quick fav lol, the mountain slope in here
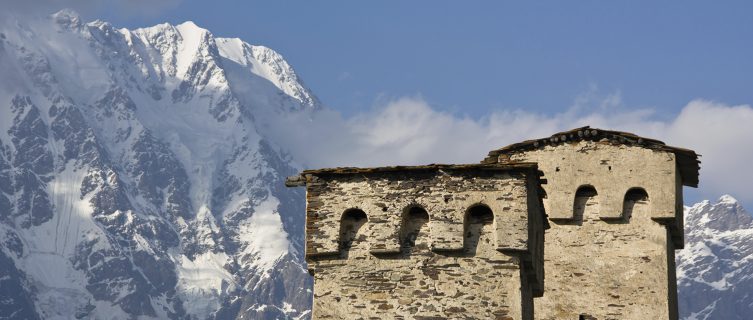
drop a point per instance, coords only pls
(714, 271)
(135, 180)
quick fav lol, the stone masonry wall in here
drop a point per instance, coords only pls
(432, 243)
(612, 208)
(608, 269)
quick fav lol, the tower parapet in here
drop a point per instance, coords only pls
(431, 241)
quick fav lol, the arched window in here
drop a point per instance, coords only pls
(480, 214)
(586, 204)
(352, 221)
(478, 227)
(415, 218)
(636, 203)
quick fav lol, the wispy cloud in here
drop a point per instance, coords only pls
(344, 76)
(408, 131)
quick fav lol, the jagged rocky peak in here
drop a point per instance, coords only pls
(726, 214)
(68, 19)
(713, 270)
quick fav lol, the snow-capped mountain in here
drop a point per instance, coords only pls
(137, 179)
(715, 270)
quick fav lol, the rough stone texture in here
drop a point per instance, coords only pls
(608, 269)
(430, 242)
(615, 209)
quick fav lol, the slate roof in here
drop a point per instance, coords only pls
(299, 180)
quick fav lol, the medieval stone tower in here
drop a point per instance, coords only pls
(471, 241)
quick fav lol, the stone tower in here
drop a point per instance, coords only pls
(469, 241)
(425, 242)
(614, 202)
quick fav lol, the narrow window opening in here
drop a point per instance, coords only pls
(480, 214)
(636, 194)
(355, 215)
(352, 221)
(418, 213)
(586, 317)
(586, 191)
(636, 203)
(478, 228)
(585, 205)
(414, 220)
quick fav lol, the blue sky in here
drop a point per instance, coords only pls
(420, 79)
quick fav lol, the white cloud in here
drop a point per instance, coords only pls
(724, 136)
(408, 131)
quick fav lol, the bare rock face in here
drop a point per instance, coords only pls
(713, 272)
(15, 291)
(140, 186)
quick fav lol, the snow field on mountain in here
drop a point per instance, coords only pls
(51, 244)
(203, 281)
(265, 237)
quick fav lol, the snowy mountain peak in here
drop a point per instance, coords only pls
(189, 27)
(725, 214)
(713, 270)
(68, 19)
(727, 199)
(263, 62)
(135, 179)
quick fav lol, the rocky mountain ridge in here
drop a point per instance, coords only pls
(135, 179)
(714, 270)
